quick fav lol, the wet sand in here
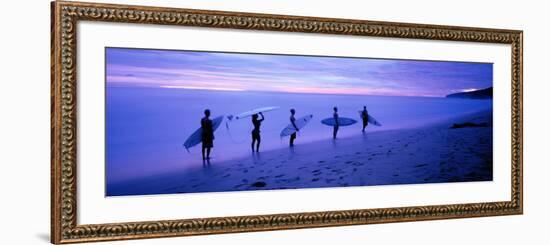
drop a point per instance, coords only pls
(430, 154)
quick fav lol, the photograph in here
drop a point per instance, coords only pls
(198, 121)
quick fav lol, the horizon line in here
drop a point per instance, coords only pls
(219, 89)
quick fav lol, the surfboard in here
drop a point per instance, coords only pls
(371, 119)
(300, 123)
(252, 112)
(196, 137)
(342, 121)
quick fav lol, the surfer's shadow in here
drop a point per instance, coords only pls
(256, 157)
(206, 164)
(334, 143)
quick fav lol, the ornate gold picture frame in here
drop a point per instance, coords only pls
(64, 109)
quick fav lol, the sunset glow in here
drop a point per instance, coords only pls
(292, 73)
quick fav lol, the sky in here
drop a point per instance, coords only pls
(292, 73)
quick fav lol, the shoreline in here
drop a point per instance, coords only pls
(431, 153)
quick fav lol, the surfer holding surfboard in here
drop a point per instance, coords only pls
(293, 122)
(256, 122)
(207, 136)
(256, 131)
(365, 117)
(336, 123)
(295, 125)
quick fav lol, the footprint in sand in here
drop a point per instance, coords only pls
(279, 176)
(286, 181)
(348, 162)
(315, 179)
(227, 175)
(420, 165)
(357, 153)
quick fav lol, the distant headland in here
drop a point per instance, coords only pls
(480, 94)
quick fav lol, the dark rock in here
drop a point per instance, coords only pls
(259, 184)
(469, 125)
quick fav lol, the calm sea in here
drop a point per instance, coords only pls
(146, 127)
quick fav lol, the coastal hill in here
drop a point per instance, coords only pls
(486, 93)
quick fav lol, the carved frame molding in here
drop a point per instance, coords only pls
(66, 15)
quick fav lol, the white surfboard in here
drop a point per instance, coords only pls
(252, 112)
(300, 123)
(371, 119)
(342, 121)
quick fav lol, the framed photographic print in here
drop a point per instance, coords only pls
(175, 122)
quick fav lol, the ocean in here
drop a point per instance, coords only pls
(146, 127)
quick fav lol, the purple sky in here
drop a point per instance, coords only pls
(296, 74)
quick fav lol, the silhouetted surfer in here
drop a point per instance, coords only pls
(293, 122)
(207, 136)
(365, 117)
(256, 131)
(336, 124)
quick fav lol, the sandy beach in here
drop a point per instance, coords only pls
(429, 154)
